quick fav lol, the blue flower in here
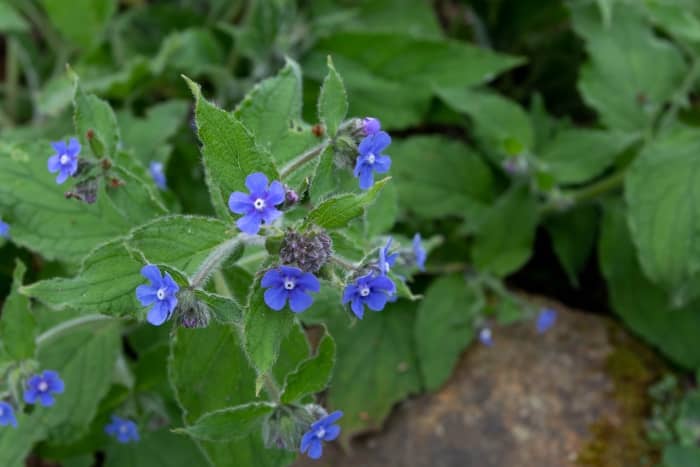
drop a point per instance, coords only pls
(324, 429)
(123, 429)
(486, 337)
(546, 320)
(162, 294)
(371, 158)
(259, 205)
(371, 125)
(42, 387)
(157, 174)
(4, 229)
(419, 252)
(65, 161)
(386, 259)
(373, 291)
(7, 415)
(286, 283)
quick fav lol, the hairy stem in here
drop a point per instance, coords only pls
(66, 325)
(302, 159)
(273, 390)
(214, 260)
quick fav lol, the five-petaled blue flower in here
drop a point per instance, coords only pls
(370, 290)
(4, 229)
(42, 387)
(386, 259)
(486, 337)
(324, 429)
(546, 319)
(157, 174)
(65, 161)
(162, 294)
(371, 158)
(286, 283)
(259, 205)
(419, 252)
(7, 415)
(371, 125)
(123, 429)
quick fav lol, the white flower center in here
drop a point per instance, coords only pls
(486, 334)
(161, 293)
(43, 386)
(289, 283)
(371, 158)
(321, 432)
(64, 159)
(364, 290)
(259, 204)
(123, 428)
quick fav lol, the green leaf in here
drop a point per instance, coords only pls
(30, 200)
(333, 101)
(223, 309)
(643, 306)
(504, 240)
(679, 19)
(146, 135)
(264, 331)
(631, 73)
(437, 177)
(381, 216)
(10, 20)
(87, 345)
(312, 375)
(375, 366)
(209, 371)
(83, 21)
(155, 449)
(573, 235)
(681, 456)
(17, 323)
(230, 423)
(386, 84)
(577, 155)
(444, 327)
(663, 191)
(499, 122)
(229, 151)
(109, 276)
(338, 211)
(272, 113)
(92, 113)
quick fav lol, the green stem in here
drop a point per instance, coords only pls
(302, 159)
(343, 263)
(11, 79)
(213, 261)
(273, 390)
(592, 191)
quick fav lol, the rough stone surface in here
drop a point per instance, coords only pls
(529, 401)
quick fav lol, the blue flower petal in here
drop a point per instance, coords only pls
(332, 433)
(256, 183)
(54, 163)
(152, 273)
(276, 194)
(366, 178)
(158, 314)
(272, 278)
(357, 307)
(306, 441)
(382, 164)
(276, 298)
(316, 449)
(146, 294)
(249, 224)
(298, 300)
(73, 148)
(308, 281)
(240, 203)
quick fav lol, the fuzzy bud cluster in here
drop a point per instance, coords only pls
(308, 251)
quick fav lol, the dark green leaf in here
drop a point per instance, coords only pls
(336, 212)
(230, 423)
(333, 101)
(17, 323)
(313, 375)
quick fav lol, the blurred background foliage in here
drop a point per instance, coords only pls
(551, 146)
